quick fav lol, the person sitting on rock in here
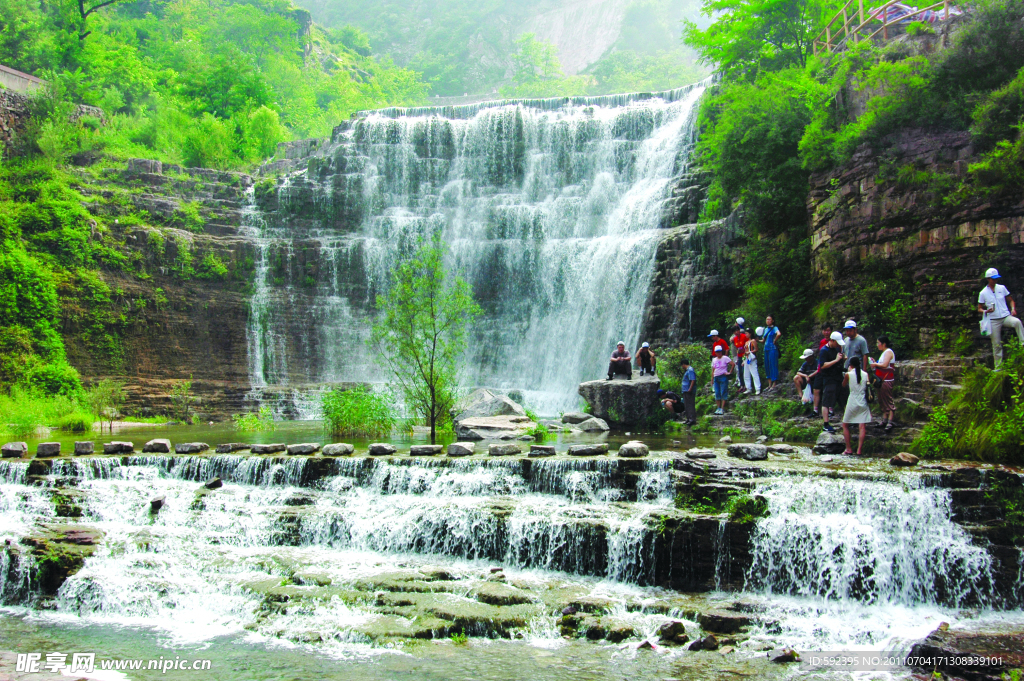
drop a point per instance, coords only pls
(621, 362)
(646, 359)
(806, 373)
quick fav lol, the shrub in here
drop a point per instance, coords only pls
(79, 422)
(359, 412)
(255, 422)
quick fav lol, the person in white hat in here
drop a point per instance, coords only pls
(722, 367)
(992, 301)
(805, 374)
(621, 362)
(830, 359)
(646, 359)
(717, 341)
(856, 344)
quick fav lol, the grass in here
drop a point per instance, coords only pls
(261, 421)
(358, 412)
(26, 411)
(459, 638)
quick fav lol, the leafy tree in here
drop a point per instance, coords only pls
(105, 400)
(421, 332)
(537, 73)
(182, 399)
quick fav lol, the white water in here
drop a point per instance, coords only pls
(552, 213)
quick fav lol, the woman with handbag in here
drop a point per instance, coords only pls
(885, 371)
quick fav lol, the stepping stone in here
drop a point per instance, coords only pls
(504, 450)
(118, 448)
(14, 449)
(425, 450)
(229, 447)
(338, 449)
(541, 450)
(269, 449)
(461, 449)
(157, 447)
(85, 448)
(190, 447)
(304, 448)
(634, 449)
(48, 449)
(382, 449)
(589, 450)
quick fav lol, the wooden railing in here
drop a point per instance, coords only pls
(855, 23)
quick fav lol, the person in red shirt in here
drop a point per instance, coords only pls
(739, 342)
(718, 342)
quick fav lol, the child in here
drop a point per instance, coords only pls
(722, 367)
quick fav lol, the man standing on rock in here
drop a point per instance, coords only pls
(993, 302)
(621, 362)
(830, 358)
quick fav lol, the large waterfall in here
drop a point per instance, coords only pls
(551, 210)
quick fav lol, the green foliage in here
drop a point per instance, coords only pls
(187, 216)
(985, 419)
(77, 422)
(358, 412)
(261, 421)
(537, 73)
(459, 638)
(105, 399)
(182, 399)
(212, 267)
(421, 332)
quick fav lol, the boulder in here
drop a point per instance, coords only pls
(229, 447)
(904, 459)
(709, 642)
(761, 439)
(782, 449)
(13, 449)
(483, 403)
(84, 448)
(620, 402)
(493, 427)
(382, 449)
(268, 449)
(496, 593)
(575, 417)
(304, 448)
(698, 453)
(634, 449)
(160, 446)
(673, 633)
(593, 425)
(783, 655)
(981, 655)
(48, 449)
(749, 452)
(722, 622)
(830, 443)
(619, 632)
(541, 450)
(190, 447)
(338, 449)
(215, 483)
(156, 503)
(725, 440)
(504, 450)
(589, 450)
(118, 448)
(425, 450)
(461, 449)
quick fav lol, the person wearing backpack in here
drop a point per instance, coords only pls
(885, 371)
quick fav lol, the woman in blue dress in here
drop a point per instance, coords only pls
(771, 351)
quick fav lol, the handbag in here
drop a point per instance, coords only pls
(985, 325)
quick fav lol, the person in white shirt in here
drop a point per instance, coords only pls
(993, 302)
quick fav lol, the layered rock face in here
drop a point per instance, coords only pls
(622, 402)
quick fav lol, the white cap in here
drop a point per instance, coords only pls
(741, 321)
(759, 331)
(646, 345)
(807, 353)
(620, 343)
(850, 324)
(837, 337)
(714, 332)
(719, 348)
(992, 273)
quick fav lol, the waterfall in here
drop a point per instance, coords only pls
(551, 210)
(874, 542)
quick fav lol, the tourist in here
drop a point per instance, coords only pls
(621, 362)
(751, 376)
(856, 345)
(672, 402)
(689, 388)
(857, 409)
(830, 360)
(826, 331)
(771, 351)
(646, 359)
(739, 344)
(806, 373)
(717, 342)
(721, 367)
(992, 303)
(885, 370)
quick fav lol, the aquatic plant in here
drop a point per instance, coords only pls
(359, 412)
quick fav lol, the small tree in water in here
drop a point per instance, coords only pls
(422, 332)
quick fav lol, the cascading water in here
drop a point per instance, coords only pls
(551, 210)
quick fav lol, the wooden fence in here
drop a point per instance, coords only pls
(857, 25)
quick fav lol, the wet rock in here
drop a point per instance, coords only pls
(960, 654)
(722, 622)
(14, 449)
(493, 427)
(645, 645)
(749, 452)
(156, 503)
(48, 449)
(701, 454)
(619, 632)
(382, 449)
(542, 450)
(634, 449)
(338, 449)
(229, 447)
(568, 610)
(84, 448)
(461, 449)
(425, 450)
(190, 447)
(593, 425)
(904, 459)
(303, 449)
(495, 593)
(159, 446)
(622, 403)
(829, 443)
(269, 449)
(589, 450)
(725, 650)
(725, 439)
(436, 574)
(215, 483)
(118, 448)
(312, 579)
(784, 655)
(761, 439)
(782, 449)
(593, 604)
(673, 633)
(709, 642)
(575, 417)
(483, 403)
(504, 450)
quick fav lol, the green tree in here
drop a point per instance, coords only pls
(421, 332)
(105, 400)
